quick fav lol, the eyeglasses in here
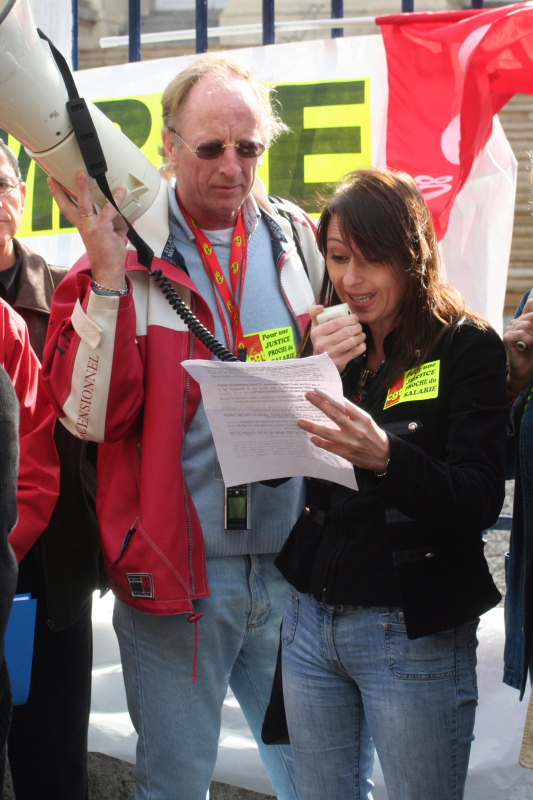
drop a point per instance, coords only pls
(208, 151)
(7, 186)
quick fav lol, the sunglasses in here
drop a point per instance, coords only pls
(208, 151)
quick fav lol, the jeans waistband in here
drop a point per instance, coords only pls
(347, 608)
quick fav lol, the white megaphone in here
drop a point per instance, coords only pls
(33, 99)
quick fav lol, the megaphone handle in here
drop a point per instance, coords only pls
(95, 163)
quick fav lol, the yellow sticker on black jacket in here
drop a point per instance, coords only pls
(421, 383)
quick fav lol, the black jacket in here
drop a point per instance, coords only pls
(9, 458)
(444, 486)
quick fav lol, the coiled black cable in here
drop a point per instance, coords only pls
(194, 324)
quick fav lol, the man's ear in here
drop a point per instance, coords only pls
(170, 147)
(23, 193)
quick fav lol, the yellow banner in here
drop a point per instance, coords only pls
(330, 135)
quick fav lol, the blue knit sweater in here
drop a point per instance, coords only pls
(273, 511)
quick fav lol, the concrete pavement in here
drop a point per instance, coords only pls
(111, 779)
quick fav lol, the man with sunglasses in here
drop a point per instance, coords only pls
(180, 547)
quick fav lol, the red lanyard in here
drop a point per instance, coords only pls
(230, 297)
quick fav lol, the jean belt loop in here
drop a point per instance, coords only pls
(385, 611)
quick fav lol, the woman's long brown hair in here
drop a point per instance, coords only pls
(384, 214)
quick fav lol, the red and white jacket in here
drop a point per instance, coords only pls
(113, 366)
(38, 479)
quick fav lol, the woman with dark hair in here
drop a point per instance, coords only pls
(388, 582)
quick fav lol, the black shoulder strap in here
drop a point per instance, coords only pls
(284, 212)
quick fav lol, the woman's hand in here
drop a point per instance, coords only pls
(106, 247)
(343, 338)
(359, 440)
(520, 362)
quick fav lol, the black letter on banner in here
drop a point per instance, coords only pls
(42, 203)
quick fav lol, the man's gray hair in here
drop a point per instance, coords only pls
(11, 157)
(224, 69)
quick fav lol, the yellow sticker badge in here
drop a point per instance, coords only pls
(421, 383)
(273, 345)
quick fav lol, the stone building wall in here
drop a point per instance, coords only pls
(517, 120)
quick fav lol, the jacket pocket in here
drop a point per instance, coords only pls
(125, 544)
(412, 554)
(403, 428)
(428, 658)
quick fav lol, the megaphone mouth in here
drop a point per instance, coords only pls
(6, 9)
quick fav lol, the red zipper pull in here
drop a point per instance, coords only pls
(194, 618)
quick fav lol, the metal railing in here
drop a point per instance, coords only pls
(75, 34)
(202, 33)
(237, 30)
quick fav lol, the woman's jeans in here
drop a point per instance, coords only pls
(354, 681)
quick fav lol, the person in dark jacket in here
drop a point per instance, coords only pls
(9, 460)
(48, 736)
(518, 654)
(388, 582)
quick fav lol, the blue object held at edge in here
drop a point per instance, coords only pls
(19, 646)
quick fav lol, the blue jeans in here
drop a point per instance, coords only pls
(353, 680)
(178, 721)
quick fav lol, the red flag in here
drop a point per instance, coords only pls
(449, 73)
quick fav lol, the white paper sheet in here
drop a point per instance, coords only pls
(253, 409)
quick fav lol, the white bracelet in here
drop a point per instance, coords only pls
(107, 290)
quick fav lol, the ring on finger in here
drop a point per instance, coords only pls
(521, 346)
(87, 215)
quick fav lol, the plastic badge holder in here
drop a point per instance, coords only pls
(19, 646)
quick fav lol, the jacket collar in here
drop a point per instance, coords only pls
(35, 284)
(390, 340)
